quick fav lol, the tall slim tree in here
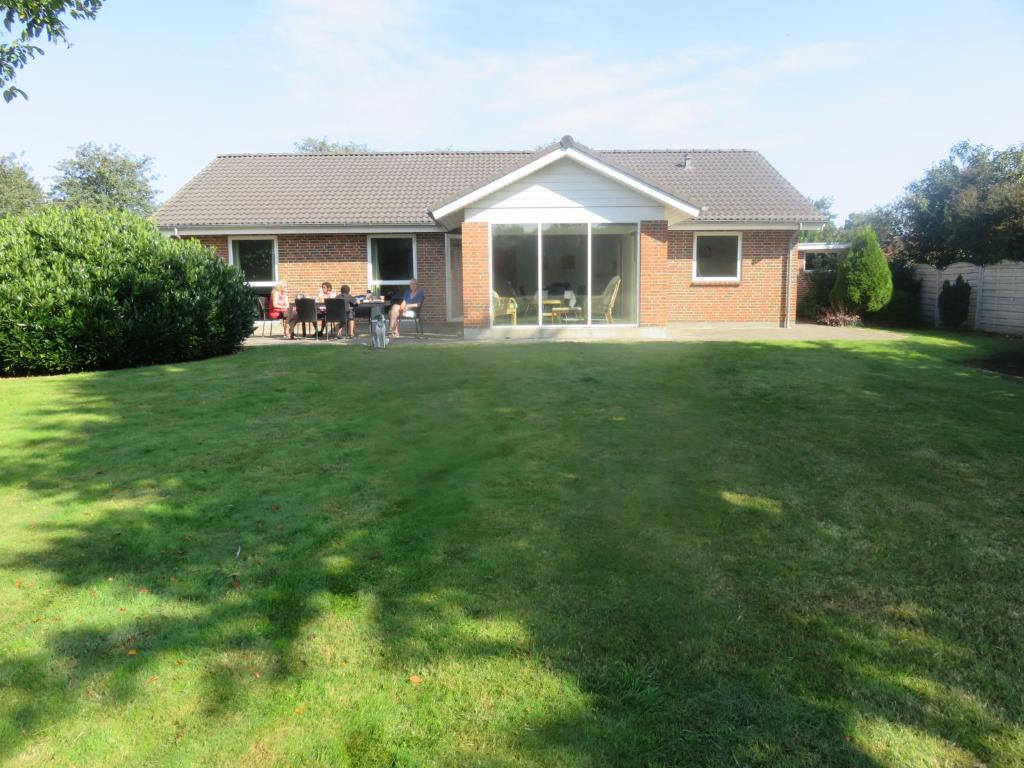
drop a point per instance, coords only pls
(312, 145)
(105, 177)
(27, 21)
(863, 280)
(19, 192)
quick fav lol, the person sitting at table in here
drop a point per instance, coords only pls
(411, 300)
(326, 292)
(346, 293)
(281, 309)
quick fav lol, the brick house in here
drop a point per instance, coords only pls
(562, 240)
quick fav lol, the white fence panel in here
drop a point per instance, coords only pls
(997, 294)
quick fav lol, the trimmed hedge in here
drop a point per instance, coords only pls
(86, 289)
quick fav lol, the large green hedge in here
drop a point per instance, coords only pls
(86, 289)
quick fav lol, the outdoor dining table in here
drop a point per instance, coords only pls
(375, 307)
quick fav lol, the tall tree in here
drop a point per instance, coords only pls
(27, 21)
(312, 145)
(969, 206)
(105, 177)
(882, 219)
(19, 192)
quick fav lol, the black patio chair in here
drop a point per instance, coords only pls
(414, 319)
(337, 312)
(305, 312)
(261, 315)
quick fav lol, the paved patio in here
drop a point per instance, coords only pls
(433, 333)
(449, 333)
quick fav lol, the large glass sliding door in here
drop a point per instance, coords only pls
(564, 274)
(514, 286)
(614, 271)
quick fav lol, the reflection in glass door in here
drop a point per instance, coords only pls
(563, 273)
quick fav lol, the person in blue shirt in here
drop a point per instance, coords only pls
(411, 301)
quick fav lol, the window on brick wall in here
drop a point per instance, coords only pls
(256, 258)
(821, 260)
(716, 256)
(392, 261)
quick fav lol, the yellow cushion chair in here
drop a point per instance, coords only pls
(505, 307)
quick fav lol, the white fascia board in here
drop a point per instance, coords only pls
(727, 226)
(823, 246)
(551, 157)
(297, 229)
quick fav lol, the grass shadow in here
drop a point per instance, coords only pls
(652, 554)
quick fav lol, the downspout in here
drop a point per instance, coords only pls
(789, 273)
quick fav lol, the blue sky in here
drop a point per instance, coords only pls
(853, 101)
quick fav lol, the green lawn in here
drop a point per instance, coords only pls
(532, 554)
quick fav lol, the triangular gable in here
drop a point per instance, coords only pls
(569, 149)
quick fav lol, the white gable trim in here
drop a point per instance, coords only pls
(553, 156)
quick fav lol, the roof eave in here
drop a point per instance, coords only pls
(295, 228)
(795, 223)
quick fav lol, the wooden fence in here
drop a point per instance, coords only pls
(997, 294)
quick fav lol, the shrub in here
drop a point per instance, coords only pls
(817, 296)
(838, 317)
(84, 289)
(863, 280)
(954, 302)
(904, 308)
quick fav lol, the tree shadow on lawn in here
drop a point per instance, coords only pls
(685, 582)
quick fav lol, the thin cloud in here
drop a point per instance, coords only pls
(378, 70)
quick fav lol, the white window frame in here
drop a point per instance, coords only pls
(448, 275)
(540, 270)
(739, 258)
(810, 254)
(370, 282)
(231, 258)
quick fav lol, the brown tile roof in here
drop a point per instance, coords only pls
(399, 188)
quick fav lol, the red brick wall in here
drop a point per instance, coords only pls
(430, 273)
(654, 252)
(795, 264)
(219, 243)
(476, 279)
(758, 296)
(306, 260)
(667, 291)
(803, 281)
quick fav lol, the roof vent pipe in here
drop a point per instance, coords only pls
(687, 162)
